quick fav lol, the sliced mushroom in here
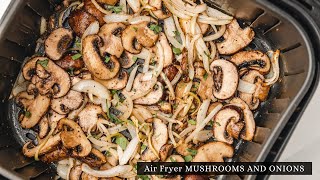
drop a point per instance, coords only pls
(58, 42)
(127, 59)
(227, 118)
(250, 124)
(75, 172)
(162, 13)
(205, 88)
(67, 63)
(165, 107)
(145, 36)
(117, 83)
(94, 159)
(109, 2)
(182, 149)
(30, 149)
(170, 71)
(168, 56)
(253, 77)
(29, 69)
(54, 156)
(91, 57)
(214, 152)
(43, 127)
(142, 85)
(88, 117)
(225, 79)
(79, 20)
(67, 103)
(91, 8)
(110, 36)
(196, 177)
(83, 75)
(255, 60)
(85, 176)
(236, 38)
(165, 151)
(35, 106)
(152, 97)
(51, 79)
(73, 138)
(156, 3)
(158, 139)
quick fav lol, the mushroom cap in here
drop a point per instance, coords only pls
(214, 152)
(68, 63)
(225, 79)
(112, 42)
(79, 20)
(152, 97)
(67, 103)
(162, 12)
(126, 59)
(29, 68)
(54, 156)
(95, 158)
(117, 83)
(165, 151)
(91, 8)
(43, 127)
(255, 60)
(168, 56)
(145, 36)
(236, 38)
(75, 172)
(58, 42)
(88, 117)
(91, 57)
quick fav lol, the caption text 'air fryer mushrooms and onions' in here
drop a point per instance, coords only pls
(116, 82)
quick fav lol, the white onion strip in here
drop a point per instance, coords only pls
(203, 123)
(112, 172)
(104, 11)
(134, 4)
(159, 67)
(246, 87)
(131, 78)
(129, 104)
(169, 29)
(202, 111)
(191, 55)
(113, 18)
(169, 86)
(129, 151)
(274, 74)
(217, 14)
(182, 36)
(173, 141)
(176, 78)
(187, 130)
(93, 87)
(216, 35)
(174, 11)
(140, 19)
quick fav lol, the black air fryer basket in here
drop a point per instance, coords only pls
(279, 24)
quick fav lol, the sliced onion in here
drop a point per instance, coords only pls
(202, 111)
(147, 76)
(115, 171)
(162, 116)
(191, 55)
(202, 50)
(129, 104)
(140, 19)
(129, 151)
(188, 106)
(187, 130)
(182, 36)
(169, 29)
(93, 28)
(131, 78)
(213, 51)
(176, 78)
(187, 89)
(203, 123)
(160, 54)
(217, 14)
(100, 143)
(173, 141)
(43, 25)
(274, 74)
(210, 20)
(93, 87)
(62, 170)
(177, 111)
(169, 85)
(134, 4)
(216, 35)
(119, 151)
(246, 87)
(204, 135)
(123, 4)
(174, 11)
(94, 2)
(193, 23)
(111, 18)
(116, 129)
(196, 9)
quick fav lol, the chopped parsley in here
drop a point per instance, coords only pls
(176, 33)
(113, 92)
(107, 153)
(134, 58)
(176, 51)
(156, 28)
(208, 55)
(122, 142)
(143, 177)
(193, 152)
(175, 106)
(76, 56)
(107, 59)
(188, 158)
(115, 9)
(153, 62)
(205, 76)
(217, 123)
(135, 29)
(71, 71)
(43, 63)
(143, 147)
(27, 114)
(172, 159)
(192, 122)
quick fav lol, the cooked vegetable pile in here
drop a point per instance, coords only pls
(115, 82)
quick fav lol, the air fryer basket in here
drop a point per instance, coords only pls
(275, 29)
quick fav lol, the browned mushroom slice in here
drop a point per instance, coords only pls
(236, 38)
(43, 127)
(145, 36)
(253, 77)
(162, 13)
(158, 139)
(29, 69)
(102, 69)
(85, 176)
(205, 88)
(35, 108)
(58, 42)
(110, 36)
(67, 103)
(255, 60)
(196, 177)
(228, 116)
(250, 124)
(165, 151)
(94, 159)
(109, 2)
(170, 71)
(127, 59)
(165, 107)
(168, 56)
(152, 97)
(75, 172)
(73, 138)
(225, 79)
(182, 149)
(67, 63)
(117, 83)
(214, 152)
(51, 79)
(79, 20)
(91, 8)
(54, 156)
(30, 149)
(88, 117)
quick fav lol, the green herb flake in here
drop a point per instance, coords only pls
(115, 9)
(176, 51)
(27, 114)
(154, 115)
(193, 152)
(76, 56)
(130, 122)
(107, 59)
(143, 147)
(135, 29)
(113, 92)
(107, 153)
(205, 76)
(188, 158)
(134, 58)
(172, 159)
(176, 33)
(175, 106)
(192, 122)
(155, 28)
(43, 63)
(122, 142)
(71, 71)
(207, 54)
(143, 177)
(217, 123)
